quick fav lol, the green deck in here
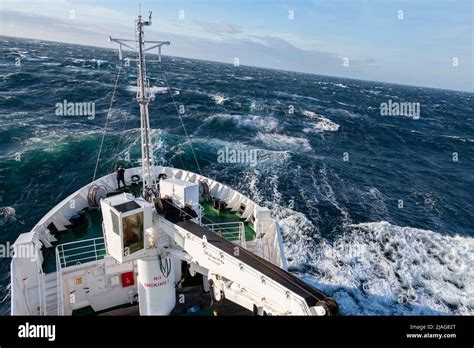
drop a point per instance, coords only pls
(225, 216)
(91, 229)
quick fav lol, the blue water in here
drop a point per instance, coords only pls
(343, 228)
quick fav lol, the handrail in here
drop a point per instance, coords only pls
(85, 252)
(59, 284)
(41, 290)
(232, 231)
(81, 247)
(80, 241)
(67, 256)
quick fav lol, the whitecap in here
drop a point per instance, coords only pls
(342, 112)
(218, 99)
(244, 78)
(284, 142)
(321, 123)
(7, 215)
(459, 138)
(153, 90)
(378, 268)
(267, 123)
(292, 95)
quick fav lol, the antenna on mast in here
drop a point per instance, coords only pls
(143, 95)
(149, 19)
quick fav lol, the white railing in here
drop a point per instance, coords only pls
(59, 285)
(42, 297)
(77, 253)
(74, 254)
(201, 214)
(232, 231)
(41, 289)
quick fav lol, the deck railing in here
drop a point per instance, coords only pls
(74, 254)
(77, 253)
(232, 231)
(59, 285)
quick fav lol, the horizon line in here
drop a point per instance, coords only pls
(260, 67)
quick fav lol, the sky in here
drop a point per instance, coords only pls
(412, 42)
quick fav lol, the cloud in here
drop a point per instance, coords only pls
(219, 28)
(272, 41)
(316, 46)
(262, 51)
(229, 41)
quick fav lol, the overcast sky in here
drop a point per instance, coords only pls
(417, 49)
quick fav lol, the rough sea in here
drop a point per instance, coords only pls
(377, 211)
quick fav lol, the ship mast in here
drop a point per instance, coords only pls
(143, 95)
(143, 98)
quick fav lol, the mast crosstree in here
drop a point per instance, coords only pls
(143, 93)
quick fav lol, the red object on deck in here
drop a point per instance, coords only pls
(127, 279)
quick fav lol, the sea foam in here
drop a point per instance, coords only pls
(320, 123)
(378, 268)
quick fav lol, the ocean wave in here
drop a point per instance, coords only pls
(79, 69)
(7, 215)
(321, 123)
(293, 95)
(266, 159)
(244, 78)
(284, 142)
(370, 91)
(463, 139)
(21, 77)
(382, 269)
(378, 268)
(153, 90)
(218, 99)
(343, 112)
(86, 61)
(322, 184)
(22, 54)
(46, 139)
(268, 124)
(254, 105)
